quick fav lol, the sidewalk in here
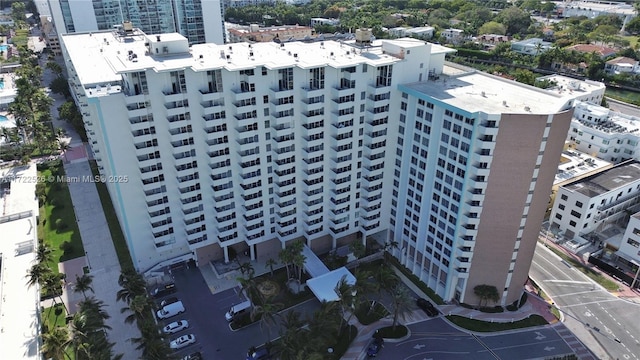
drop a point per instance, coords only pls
(100, 253)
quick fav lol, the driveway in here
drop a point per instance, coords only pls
(205, 313)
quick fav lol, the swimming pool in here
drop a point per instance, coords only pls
(4, 47)
(3, 118)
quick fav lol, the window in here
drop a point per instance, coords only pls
(579, 204)
(316, 79)
(572, 223)
(285, 79)
(564, 197)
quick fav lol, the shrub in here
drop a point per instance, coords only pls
(61, 225)
(67, 247)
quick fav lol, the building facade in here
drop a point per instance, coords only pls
(606, 134)
(251, 146)
(596, 202)
(199, 20)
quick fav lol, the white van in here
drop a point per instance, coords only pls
(170, 310)
(238, 309)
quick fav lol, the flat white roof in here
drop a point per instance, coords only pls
(312, 263)
(575, 164)
(19, 305)
(475, 91)
(615, 123)
(324, 286)
(99, 57)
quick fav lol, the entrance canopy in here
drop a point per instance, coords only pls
(312, 263)
(323, 286)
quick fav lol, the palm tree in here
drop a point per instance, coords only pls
(363, 287)
(358, 250)
(286, 256)
(346, 296)
(83, 284)
(401, 304)
(270, 263)
(247, 268)
(35, 274)
(44, 253)
(250, 289)
(63, 147)
(386, 278)
(55, 343)
(267, 313)
(132, 284)
(52, 284)
(298, 260)
(139, 307)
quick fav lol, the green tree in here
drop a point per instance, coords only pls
(486, 293)
(271, 263)
(138, 308)
(83, 284)
(132, 284)
(515, 20)
(44, 253)
(267, 313)
(55, 343)
(401, 304)
(492, 27)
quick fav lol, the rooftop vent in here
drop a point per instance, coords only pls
(250, 53)
(201, 56)
(158, 38)
(527, 109)
(504, 102)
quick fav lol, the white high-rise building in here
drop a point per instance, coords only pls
(250, 146)
(200, 21)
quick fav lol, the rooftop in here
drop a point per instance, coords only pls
(575, 164)
(564, 85)
(608, 180)
(19, 324)
(475, 91)
(602, 6)
(606, 120)
(622, 60)
(603, 51)
(100, 57)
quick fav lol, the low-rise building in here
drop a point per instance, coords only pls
(453, 36)
(273, 33)
(533, 46)
(593, 203)
(323, 21)
(601, 50)
(593, 9)
(622, 65)
(20, 304)
(601, 132)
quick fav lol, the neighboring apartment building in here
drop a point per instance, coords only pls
(604, 133)
(323, 21)
(422, 32)
(251, 146)
(589, 204)
(199, 20)
(452, 36)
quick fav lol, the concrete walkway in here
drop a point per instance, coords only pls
(100, 253)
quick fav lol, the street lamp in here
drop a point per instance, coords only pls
(635, 278)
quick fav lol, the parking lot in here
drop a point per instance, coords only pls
(205, 314)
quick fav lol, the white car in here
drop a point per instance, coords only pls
(183, 341)
(176, 326)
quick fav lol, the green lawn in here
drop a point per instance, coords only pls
(633, 40)
(387, 332)
(484, 326)
(119, 242)
(592, 274)
(57, 224)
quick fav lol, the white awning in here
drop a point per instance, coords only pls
(312, 263)
(323, 286)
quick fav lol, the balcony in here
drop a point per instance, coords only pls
(311, 230)
(338, 230)
(373, 89)
(173, 96)
(135, 98)
(280, 92)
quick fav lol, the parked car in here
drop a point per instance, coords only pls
(171, 310)
(193, 356)
(428, 307)
(176, 326)
(374, 348)
(168, 301)
(163, 290)
(183, 341)
(259, 354)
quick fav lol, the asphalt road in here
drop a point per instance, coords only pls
(205, 313)
(623, 107)
(436, 339)
(607, 325)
